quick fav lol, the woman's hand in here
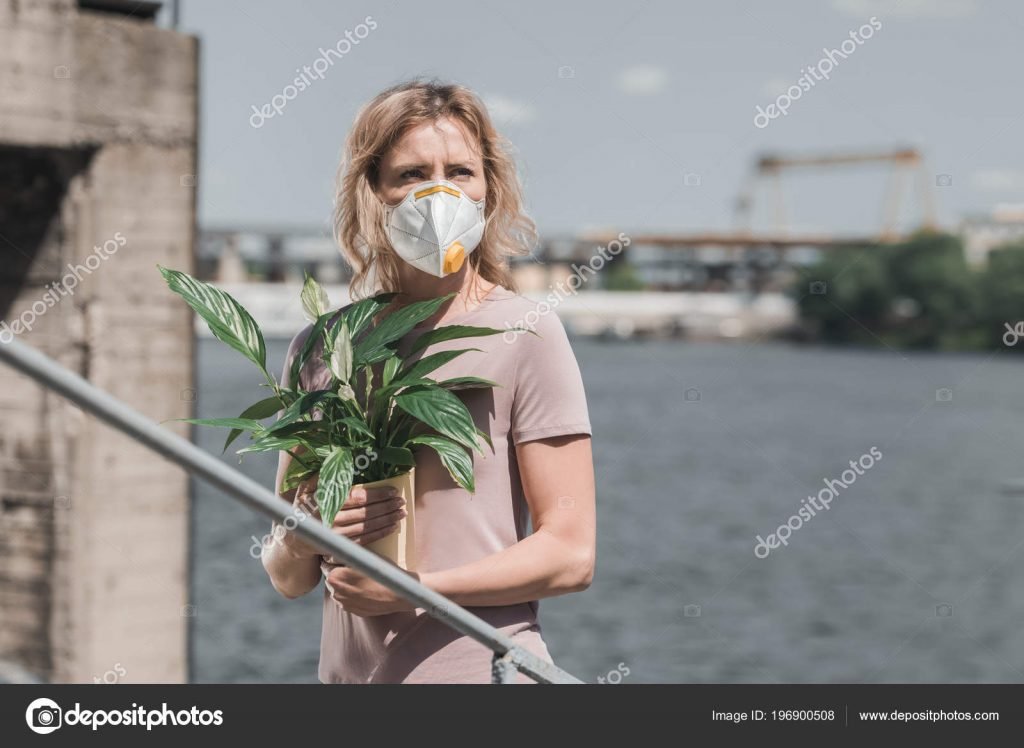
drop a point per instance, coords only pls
(304, 503)
(370, 514)
(362, 596)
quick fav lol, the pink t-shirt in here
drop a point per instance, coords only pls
(540, 395)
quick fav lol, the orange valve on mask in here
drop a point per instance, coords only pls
(453, 258)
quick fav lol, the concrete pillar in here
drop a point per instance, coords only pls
(97, 186)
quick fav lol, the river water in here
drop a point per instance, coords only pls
(914, 573)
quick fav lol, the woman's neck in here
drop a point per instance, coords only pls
(469, 289)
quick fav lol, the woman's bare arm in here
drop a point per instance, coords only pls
(292, 564)
(559, 557)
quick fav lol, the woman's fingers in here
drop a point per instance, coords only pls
(348, 517)
(368, 514)
(363, 496)
(362, 509)
(305, 496)
(362, 529)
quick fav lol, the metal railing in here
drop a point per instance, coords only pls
(508, 657)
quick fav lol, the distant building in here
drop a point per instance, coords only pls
(982, 234)
(279, 254)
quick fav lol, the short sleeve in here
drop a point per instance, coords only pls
(548, 396)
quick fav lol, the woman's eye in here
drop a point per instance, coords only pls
(462, 172)
(412, 173)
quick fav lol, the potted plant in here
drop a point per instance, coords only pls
(379, 406)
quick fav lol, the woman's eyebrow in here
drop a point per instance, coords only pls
(452, 165)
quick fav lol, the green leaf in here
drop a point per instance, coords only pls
(243, 424)
(520, 330)
(453, 456)
(272, 444)
(427, 364)
(390, 369)
(442, 411)
(357, 425)
(398, 456)
(375, 345)
(297, 473)
(314, 299)
(335, 483)
(362, 312)
(288, 395)
(451, 332)
(259, 411)
(312, 432)
(227, 319)
(299, 408)
(383, 393)
(486, 437)
(456, 383)
(467, 383)
(293, 481)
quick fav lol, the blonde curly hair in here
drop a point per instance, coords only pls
(359, 214)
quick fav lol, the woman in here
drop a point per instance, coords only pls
(428, 204)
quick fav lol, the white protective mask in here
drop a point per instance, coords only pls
(435, 227)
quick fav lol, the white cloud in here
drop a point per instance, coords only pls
(997, 180)
(642, 80)
(906, 8)
(508, 111)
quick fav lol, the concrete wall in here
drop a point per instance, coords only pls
(97, 150)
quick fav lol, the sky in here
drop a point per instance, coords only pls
(634, 116)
